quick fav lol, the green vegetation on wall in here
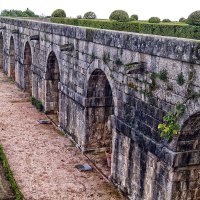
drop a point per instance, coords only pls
(166, 29)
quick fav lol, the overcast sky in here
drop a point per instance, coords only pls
(172, 9)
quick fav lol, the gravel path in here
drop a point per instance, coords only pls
(43, 161)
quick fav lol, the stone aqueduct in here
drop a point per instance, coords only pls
(98, 82)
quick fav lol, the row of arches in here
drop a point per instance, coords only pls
(99, 94)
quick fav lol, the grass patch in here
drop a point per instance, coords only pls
(9, 175)
(37, 104)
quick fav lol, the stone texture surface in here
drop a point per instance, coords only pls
(144, 164)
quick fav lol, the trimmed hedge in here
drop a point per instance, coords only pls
(90, 15)
(194, 18)
(119, 15)
(58, 13)
(154, 20)
(134, 17)
(164, 29)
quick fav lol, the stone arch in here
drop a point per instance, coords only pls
(1, 50)
(186, 165)
(99, 108)
(52, 80)
(11, 71)
(27, 68)
(189, 138)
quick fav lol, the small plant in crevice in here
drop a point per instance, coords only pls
(169, 127)
(93, 56)
(118, 62)
(37, 104)
(190, 75)
(163, 75)
(180, 79)
(106, 58)
(152, 85)
(132, 85)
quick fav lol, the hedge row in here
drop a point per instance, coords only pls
(174, 30)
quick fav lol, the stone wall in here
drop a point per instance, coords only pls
(109, 85)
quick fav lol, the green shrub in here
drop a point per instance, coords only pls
(119, 15)
(79, 17)
(58, 13)
(154, 20)
(37, 104)
(166, 20)
(90, 15)
(182, 19)
(133, 17)
(194, 18)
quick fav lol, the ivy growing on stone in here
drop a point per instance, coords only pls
(169, 127)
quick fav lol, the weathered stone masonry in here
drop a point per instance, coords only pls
(99, 83)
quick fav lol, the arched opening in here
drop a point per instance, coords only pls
(189, 138)
(27, 68)
(52, 92)
(1, 50)
(12, 59)
(187, 162)
(99, 108)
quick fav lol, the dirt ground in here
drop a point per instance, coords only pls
(41, 159)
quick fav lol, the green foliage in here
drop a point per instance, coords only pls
(106, 58)
(90, 15)
(18, 13)
(37, 104)
(163, 75)
(30, 13)
(182, 19)
(119, 15)
(169, 127)
(180, 79)
(9, 175)
(58, 13)
(154, 20)
(133, 17)
(93, 56)
(79, 17)
(166, 20)
(118, 62)
(194, 18)
(166, 29)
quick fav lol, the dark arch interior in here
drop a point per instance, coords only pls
(12, 58)
(53, 78)
(27, 68)
(189, 138)
(1, 50)
(98, 112)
